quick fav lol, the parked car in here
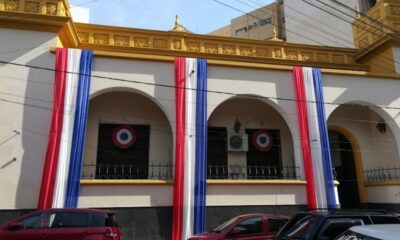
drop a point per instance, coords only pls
(325, 225)
(372, 232)
(249, 226)
(63, 224)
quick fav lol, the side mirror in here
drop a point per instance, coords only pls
(14, 226)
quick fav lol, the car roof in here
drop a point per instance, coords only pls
(380, 231)
(261, 214)
(92, 210)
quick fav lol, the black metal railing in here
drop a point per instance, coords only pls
(126, 171)
(382, 174)
(166, 172)
(251, 172)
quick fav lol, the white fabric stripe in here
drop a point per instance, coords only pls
(315, 139)
(74, 58)
(190, 150)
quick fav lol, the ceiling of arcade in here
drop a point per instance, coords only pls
(53, 15)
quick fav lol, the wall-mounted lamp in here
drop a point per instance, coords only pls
(381, 126)
(237, 125)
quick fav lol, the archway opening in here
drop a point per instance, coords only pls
(249, 139)
(128, 137)
(343, 162)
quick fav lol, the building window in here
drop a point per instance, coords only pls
(265, 21)
(241, 31)
(217, 156)
(366, 5)
(119, 161)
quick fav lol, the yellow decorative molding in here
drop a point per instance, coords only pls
(256, 182)
(126, 182)
(209, 182)
(368, 29)
(176, 43)
(382, 184)
(43, 7)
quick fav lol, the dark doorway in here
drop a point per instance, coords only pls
(345, 169)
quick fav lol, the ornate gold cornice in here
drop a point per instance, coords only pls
(40, 15)
(139, 41)
(54, 16)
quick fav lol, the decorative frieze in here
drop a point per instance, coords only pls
(120, 40)
(228, 49)
(51, 8)
(32, 7)
(83, 37)
(211, 48)
(307, 56)
(160, 43)
(292, 55)
(11, 5)
(246, 51)
(44, 7)
(193, 46)
(141, 42)
(100, 38)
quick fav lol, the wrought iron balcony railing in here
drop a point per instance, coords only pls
(166, 171)
(382, 174)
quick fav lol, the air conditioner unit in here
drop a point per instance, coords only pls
(237, 142)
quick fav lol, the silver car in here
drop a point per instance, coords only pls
(372, 232)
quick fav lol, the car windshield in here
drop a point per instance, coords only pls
(296, 228)
(226, 224)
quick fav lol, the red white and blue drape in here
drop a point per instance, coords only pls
(190, 147)
(63, 162)
(314, 138)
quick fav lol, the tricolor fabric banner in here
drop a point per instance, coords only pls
(63, 162)
(190, 147)
(314, 138)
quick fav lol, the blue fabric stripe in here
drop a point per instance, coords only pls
(326, 154)
(79, 132)
(201, 148)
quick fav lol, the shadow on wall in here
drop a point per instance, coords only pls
(28, 92)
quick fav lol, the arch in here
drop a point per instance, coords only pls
(136, 91)
(357, 158)
(270, 103)
(394, 127)
(263, 113)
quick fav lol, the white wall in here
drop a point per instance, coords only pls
(25, 107)
(217, 195)
(384, 194)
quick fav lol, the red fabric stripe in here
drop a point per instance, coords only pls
(53, 144)
(180, 97)
(304, 134)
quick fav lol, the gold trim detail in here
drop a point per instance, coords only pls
(357, 159)
(209, 182)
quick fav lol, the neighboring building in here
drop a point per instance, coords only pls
(258, 24)
(322, 22)
(257, 151)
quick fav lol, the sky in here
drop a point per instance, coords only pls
(199, 16)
